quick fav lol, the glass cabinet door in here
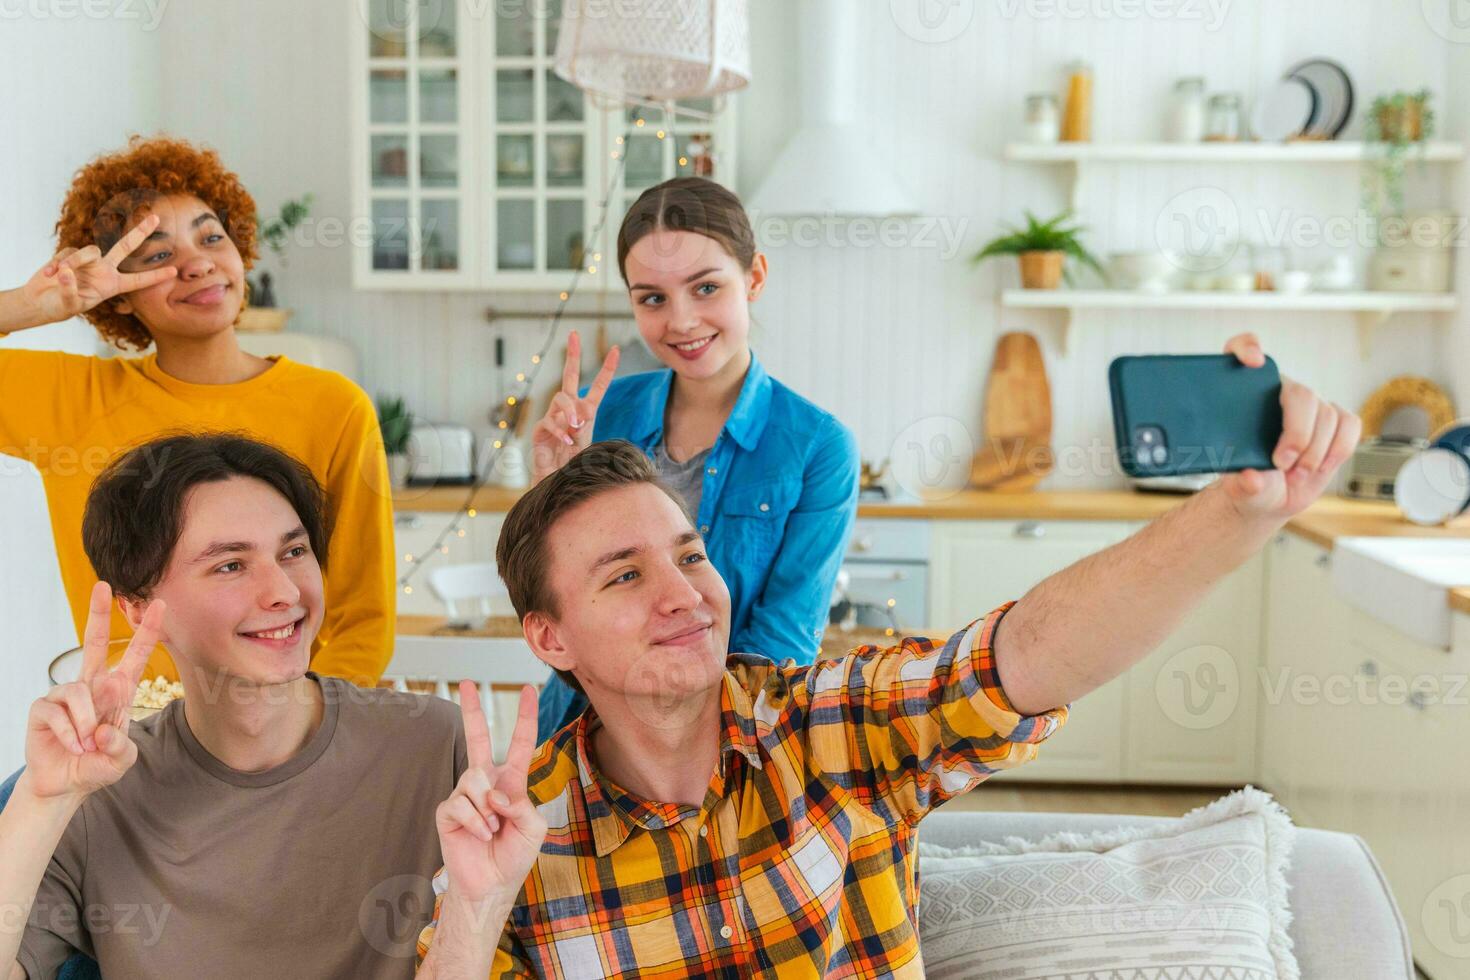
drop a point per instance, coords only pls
(417, 144)
(660, 147)
(477, 166)
(541, 135)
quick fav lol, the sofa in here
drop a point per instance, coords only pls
(1345, 923)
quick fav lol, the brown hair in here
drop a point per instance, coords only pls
(107, 194)
(135, 510)
(521, 554)
(694, 204)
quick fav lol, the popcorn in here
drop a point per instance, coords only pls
(154, 695)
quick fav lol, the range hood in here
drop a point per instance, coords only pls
(830, 166)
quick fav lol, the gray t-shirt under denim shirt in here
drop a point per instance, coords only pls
(686, 478)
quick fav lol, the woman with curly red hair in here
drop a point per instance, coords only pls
(154, 244)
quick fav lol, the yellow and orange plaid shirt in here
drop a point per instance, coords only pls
(799, 862)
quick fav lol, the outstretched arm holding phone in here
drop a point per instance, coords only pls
(1088, 623)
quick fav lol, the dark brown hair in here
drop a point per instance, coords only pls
(694, 204)
(135, 510)
(521, 554)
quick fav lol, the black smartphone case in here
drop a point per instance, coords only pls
(1217, 415)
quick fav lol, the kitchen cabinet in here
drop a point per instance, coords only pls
(475, 166)
(1363, 730)
(414, 533)
(1161, 721)
(976, 566)
(1191, 712)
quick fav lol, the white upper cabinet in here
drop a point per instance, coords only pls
(475, 166)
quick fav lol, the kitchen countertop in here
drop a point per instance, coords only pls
(1326, 520)
(507, 628)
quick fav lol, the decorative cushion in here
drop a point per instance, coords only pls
(1203, 897)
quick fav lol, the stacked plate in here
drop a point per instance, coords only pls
(1314, 101)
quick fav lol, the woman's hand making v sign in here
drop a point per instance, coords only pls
(75, 281)
(566, 428)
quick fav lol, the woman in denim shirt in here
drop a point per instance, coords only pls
(770, 479)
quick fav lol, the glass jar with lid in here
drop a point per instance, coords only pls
(1186, 119)
(1043, 119)
(1222, 117)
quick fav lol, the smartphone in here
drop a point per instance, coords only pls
(1175, 414)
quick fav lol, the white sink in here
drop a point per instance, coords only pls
(1403, 581)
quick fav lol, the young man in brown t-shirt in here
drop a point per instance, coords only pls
(272, 823)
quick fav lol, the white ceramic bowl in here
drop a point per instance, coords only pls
(1141, 270)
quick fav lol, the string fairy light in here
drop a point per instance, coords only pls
(527, 379)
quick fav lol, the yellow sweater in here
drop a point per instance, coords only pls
(69, 415)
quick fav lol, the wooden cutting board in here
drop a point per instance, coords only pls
(1015, 452)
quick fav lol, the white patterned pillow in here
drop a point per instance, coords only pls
(1203, 897)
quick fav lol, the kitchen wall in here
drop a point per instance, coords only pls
(885, 337)
(74, 83)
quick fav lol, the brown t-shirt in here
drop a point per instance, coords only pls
(319, 867)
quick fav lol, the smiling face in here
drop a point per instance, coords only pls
(692, 301)
(243, 587)
(642, 614)
(206, 295)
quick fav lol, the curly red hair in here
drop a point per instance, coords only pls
(107, 193)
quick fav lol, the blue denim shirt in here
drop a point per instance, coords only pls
(777, 507)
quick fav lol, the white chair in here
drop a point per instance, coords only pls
(506, 663)
(466, 590)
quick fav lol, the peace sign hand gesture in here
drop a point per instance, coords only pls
(489, 831)
(77, 737)
(75, 281)
(566, 428)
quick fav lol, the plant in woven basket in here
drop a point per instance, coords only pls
(1043, 248)
(1396, 124)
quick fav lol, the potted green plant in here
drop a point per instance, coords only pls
(1043, 248)
(262, 315)
(396, 422)
(1396, 123)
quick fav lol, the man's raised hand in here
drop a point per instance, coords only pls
(77, 736)
(489, 830)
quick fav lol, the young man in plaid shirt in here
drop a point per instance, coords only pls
(723, 815)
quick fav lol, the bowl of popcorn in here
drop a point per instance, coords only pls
(150, 697)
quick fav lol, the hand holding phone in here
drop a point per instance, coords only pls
(1277, 456)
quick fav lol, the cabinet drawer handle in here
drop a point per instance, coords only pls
(1368, 668)
(1322, 561)
(411, 521)
(1030, 529)
(1419, 700)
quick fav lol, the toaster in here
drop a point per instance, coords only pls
(1375, 464)
(440, 454)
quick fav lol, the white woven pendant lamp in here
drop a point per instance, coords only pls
(655, 51)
